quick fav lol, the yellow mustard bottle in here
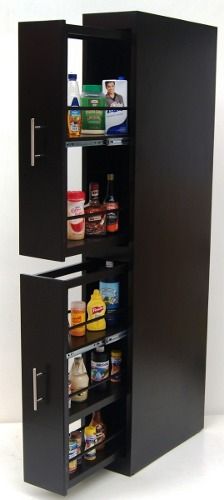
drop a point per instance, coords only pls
(96, 307)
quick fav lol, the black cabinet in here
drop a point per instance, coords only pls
(163, 169)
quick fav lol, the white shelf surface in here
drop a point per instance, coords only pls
(191, 471)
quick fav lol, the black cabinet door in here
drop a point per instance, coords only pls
(45, 428)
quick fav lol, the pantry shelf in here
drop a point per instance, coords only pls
(98, 140)
(97, 399)
(88, 244)
(103, 459)
(79, 345)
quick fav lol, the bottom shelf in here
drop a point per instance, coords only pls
(103, 458)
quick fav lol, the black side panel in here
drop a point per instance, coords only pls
(174, 154)
(45, 431)
(175, 97)
(42, 95)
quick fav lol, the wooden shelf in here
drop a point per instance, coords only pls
(97, 398)
(101, 242)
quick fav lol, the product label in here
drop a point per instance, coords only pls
(99, 370)
(93, 119)
(97, 310)
(90, 441)
(115, 369)
(110, 294)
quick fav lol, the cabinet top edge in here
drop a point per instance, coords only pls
(138, 14)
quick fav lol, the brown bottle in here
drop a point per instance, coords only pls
(112, 206)
(96, 213)
(101, 429)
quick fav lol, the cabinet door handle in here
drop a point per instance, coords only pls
(33, 155)
(36, 400)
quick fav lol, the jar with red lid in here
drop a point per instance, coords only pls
(75, 206)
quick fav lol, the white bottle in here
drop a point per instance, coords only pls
(73, 99)
(79, 379)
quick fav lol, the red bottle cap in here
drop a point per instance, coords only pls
(76, 195)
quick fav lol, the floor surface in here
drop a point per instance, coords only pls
(192, 471)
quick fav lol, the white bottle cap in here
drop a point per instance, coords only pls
(109, 264)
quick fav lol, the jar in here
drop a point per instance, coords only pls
(93, 121)
(75, 206)
(78, 315)
(90, 440)
(73, 452)
(116, 359)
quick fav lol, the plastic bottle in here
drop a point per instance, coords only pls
(93, 121)
(116, 360)
(99, 366)
(75, 207)
(73, 99)
(78, 315)
(110, 289)
(90, 440)
(96, 307)
(79, 379)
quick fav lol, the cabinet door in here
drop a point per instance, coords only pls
(42, 103)
(44, 437)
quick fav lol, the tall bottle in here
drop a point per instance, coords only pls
(73, 99)
(110, 291)
(101, 429)
(111, 205)
(96, 213)
(79, 379)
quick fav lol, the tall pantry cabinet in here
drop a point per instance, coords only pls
(163, 172)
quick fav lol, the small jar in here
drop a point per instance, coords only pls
(90, 440)
(75, 206)
(116, 359)
(73, 452)
(93, 120)
(78, 315)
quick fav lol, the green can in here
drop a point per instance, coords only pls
(93, 120)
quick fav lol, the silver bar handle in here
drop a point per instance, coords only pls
(36, 400)
(34, 127)
(32, 130)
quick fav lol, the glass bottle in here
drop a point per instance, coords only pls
(112, 206)
(96, 213)
(79, 379)
(101, 430)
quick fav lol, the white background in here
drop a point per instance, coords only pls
(11, 264)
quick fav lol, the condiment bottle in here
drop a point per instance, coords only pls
(79, 379)
(109, 289)
(112, 206)
(93, 120)
(73, 452)
(78, 315)
(95, 213)
(90, 440)
(73, 99)
(99, 366)
(100, 426)
(76, 437)
(116, 360)
(75, 206)
(96, 308)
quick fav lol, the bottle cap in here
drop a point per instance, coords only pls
(78, 356)
(90, 430)
(72, 76)
(78, 305)
(100, 349)
(110, 177)
(121, 77)
(109, 264)
(76, 196)
(92, 89)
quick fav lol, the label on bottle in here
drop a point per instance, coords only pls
(115, 368)
(99, 370)
(90, 441)
(112, 217)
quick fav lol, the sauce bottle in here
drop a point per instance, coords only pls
(100, 426)
(112, 206)
(96, 308)
(79, 379)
